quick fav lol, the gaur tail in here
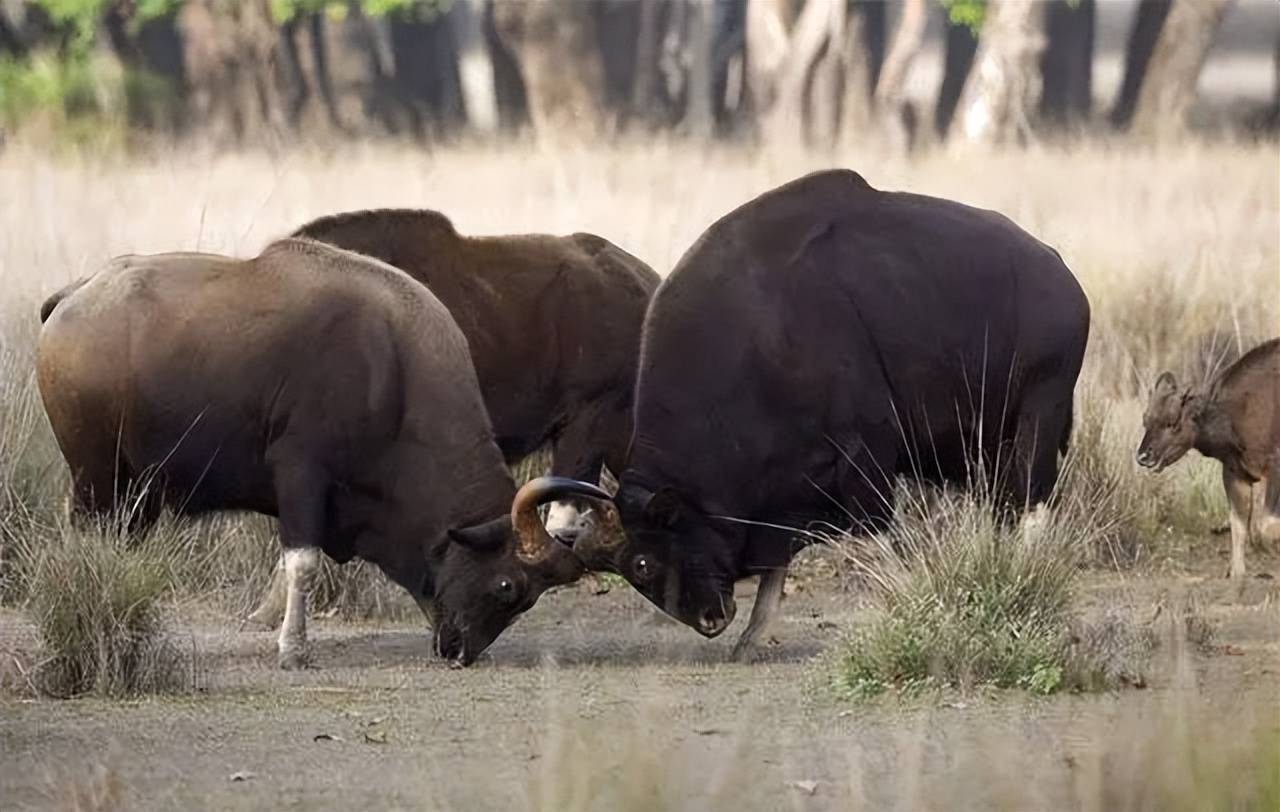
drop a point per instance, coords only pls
(52, 302)
(1064, 442)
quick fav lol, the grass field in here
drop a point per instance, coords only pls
(589, 697)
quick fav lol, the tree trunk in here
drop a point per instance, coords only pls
(827, 76)
(728, 62)
(646, 69)
(229, 64)
(1067, 64)
(700, 116)
(858, 84)
(1169, 90)
(508, 84)
(425, 70)
(895, 114)
(1148, 19)
(475, 68)
(960, 50)
(999, 95)
(556, 47)
(784, 73)
(357, 73)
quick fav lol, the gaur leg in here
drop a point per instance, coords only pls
(110, 492)
(579, 453)
(1033, 471)
(768, 599)
(271, 611)
(1240, 497)
(300, 500)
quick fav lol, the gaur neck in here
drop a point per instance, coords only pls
(1215, 436)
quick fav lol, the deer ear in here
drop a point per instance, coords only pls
(1166, 384)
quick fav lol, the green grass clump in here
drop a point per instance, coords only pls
(963, 599)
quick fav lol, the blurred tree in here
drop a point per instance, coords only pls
(1148, 19)
(999, 96)
(961, 46)
(560, 61)
(699, 119)
(1169, 88)
(897, 117)
(1067, 62)
(862, 59)
(796, 54)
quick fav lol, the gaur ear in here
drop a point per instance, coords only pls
(664, 508)
(486, 537)
(1166, 384)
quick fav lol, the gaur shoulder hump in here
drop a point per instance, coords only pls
(376, 218)
(46, 309)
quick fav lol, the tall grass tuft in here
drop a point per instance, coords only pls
(963, 598)
(97, 598)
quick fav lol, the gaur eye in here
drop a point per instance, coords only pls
(643, 567)
(505, 589)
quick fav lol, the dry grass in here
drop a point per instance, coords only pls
(97, 601)
(1171, 247)
(964, 598)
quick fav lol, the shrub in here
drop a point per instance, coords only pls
(97, 602)
(963, 599)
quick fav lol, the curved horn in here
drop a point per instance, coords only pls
(533, 543)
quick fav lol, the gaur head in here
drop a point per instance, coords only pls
(493, 572)
(1169, 423)
(674, 551)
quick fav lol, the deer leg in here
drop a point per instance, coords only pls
(1266, 516)
(1240, 497)
(768, 599)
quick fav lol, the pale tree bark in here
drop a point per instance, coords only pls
(784, 61)
(646, 71)
(700, 114)
(1000, 93)
(1169, 88)
(558, 52)
(827, 76)
(863, 36)
(475, 67)
(891, 107)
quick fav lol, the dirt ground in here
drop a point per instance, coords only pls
(593, 701)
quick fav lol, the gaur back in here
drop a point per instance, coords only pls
(312, 384)
(553, 324)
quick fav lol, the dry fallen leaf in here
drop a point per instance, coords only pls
(807, 787)
(242, 775)
(375, 736)
(326, 737)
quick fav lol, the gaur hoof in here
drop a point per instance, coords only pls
(293, 659)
